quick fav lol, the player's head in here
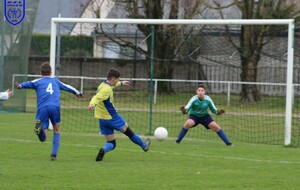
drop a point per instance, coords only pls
(45, 69)
(113, 76)
(201, 86)
(201, 90)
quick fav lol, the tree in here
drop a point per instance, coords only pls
(169, 39)
(252, 38)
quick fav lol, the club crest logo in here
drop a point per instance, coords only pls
(14, 11)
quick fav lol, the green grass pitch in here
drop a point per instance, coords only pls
(193, 164)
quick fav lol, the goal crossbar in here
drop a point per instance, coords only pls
(175, 21)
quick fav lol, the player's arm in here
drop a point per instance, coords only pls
(5, 95)
(70, 89)
(184, 109)
(122, 83)
(125, 82)
(28, 84)
(214, 109)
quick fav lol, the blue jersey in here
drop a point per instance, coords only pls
(48, 91)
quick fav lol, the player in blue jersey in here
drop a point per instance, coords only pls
(5, 95)
(48, 104)
(109, 118)
(197, 108)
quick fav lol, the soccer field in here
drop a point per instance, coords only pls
(193, 164)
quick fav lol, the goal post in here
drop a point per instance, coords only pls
(289, 83)
(290, 45)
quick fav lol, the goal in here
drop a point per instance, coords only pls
(167, 59)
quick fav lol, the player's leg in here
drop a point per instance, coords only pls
(108, 132)
(188, 124)
(41, 122)
(108, 146)
(54, 115)
(136, 138)
(120, 124)
(55, 142)
(110, 143)
(215, 127)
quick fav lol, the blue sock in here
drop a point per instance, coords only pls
(55, 143)
(181, 134)
(137, 140)
(42, 135)
(223, 136)
(109, 145)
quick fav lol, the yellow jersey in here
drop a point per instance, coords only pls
(104, 101)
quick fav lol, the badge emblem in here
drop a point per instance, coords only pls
(14, 11)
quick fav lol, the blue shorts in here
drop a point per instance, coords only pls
(46, 113)
(107, 127)
(205, 121)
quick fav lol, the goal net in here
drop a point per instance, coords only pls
(165, 60)
(14, 50)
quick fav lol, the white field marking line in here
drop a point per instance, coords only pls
(170, 153)
(220, 157)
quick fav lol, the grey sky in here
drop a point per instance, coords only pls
(48, 9)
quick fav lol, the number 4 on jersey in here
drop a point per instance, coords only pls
(49, 88)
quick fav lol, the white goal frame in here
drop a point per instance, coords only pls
(290, 48)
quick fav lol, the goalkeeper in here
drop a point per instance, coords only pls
(197, 108)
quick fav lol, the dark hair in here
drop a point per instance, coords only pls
(113, 73)
(201, 86)
(45, 69)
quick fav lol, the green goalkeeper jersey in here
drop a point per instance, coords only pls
(199, 107)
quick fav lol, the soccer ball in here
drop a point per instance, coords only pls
(161, 133)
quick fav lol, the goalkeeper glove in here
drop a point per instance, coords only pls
(221, 111)
(183, 110)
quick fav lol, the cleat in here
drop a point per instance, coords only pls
(38, 127)
(100, 155)
(229, 144)
(53, 157)
(147, 143)
(176, 142)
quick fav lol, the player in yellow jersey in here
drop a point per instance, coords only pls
(109, 118)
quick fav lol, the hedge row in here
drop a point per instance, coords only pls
(81, 45)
